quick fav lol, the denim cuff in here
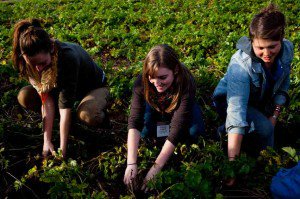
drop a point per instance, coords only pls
(282, 98)
(236, 130)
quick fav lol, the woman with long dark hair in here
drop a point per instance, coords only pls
(59, 73)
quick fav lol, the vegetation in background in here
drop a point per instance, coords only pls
(118, 34)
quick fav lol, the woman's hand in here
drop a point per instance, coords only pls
(276, 113)
(48, 148)
(161, 160)
(273, 120)
(155, 169)
(130, 173)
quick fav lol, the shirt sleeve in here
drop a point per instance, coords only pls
(69, 81)
(182, 117)
(137, 108)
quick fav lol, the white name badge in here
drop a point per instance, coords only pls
(162, 130)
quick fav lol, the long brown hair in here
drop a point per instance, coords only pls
(165, 56)
(28, 38)
(268, 24)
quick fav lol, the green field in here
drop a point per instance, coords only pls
(118, 34)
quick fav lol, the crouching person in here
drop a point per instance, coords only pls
(59, 74)
(163, 106)
(253, 91)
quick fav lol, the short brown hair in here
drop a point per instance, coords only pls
(268, 24)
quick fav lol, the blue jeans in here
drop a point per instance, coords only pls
(151, 117)
(258, 122)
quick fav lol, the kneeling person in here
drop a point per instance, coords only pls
(59, 73)
(163, 105)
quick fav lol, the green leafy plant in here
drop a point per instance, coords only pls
(3, 161)
(292, 152)
(118, 34)
(67, 178)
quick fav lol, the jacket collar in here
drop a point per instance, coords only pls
(284, 56)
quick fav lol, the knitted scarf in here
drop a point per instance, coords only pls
(162, 100)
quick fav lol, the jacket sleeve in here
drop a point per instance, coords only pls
(238, 91)
(281, 95)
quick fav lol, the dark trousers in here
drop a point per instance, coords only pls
(151, 117)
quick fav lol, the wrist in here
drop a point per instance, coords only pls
(157, 166)
(134, 163)
(274, 117)
(47, 139)
(278, 108)
(231, 158)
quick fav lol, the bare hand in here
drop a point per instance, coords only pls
(273, 120)
(230, 182)
(48, 148)
(155, 169)
(130, 173)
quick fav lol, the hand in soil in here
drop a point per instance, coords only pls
(155, 169)
(48, 148)
(130, 173)
(230, 182)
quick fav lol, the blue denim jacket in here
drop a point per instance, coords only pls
(245, 83)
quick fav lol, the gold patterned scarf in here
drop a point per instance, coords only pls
(45, 81)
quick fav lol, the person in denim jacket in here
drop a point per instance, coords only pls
(254, 89)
